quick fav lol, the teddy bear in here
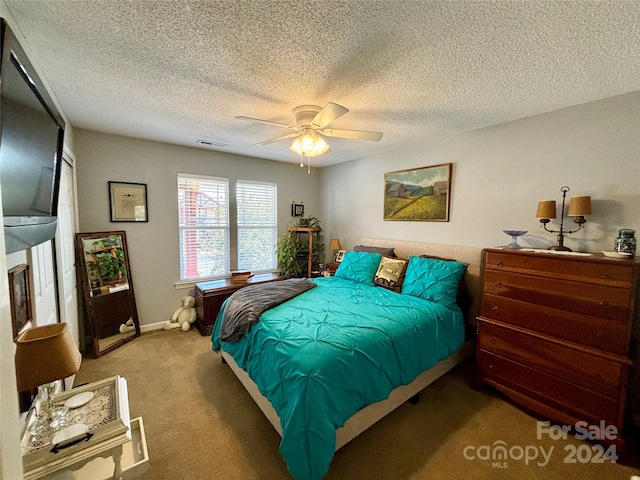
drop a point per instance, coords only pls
(127, 327)
(184, 316)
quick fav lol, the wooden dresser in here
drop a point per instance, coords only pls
(554, 333)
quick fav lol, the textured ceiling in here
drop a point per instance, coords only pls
(180, 71)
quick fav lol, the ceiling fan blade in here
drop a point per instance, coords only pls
(352, 134)
(277, 139)
(268, 122)
(328, 114)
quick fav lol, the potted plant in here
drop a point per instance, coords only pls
(293, 252)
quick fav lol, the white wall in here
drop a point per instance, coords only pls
(499, 175)
(153, 246)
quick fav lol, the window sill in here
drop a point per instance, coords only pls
(186, 284)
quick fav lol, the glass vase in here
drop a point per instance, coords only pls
(626, 241)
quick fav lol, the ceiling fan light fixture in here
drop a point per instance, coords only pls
(309, 144)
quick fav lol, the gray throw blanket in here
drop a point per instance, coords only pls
(245, 306)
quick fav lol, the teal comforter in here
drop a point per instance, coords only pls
(325, 354)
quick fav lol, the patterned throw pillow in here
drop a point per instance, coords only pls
(433, 279)
(390, 273)
(359, 267)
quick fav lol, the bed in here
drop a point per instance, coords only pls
(329, 363)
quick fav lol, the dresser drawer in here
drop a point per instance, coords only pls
(590, 299)
(598, 332)
(577, 367)
(567, 267)
(564, 396)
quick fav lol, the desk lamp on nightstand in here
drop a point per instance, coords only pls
(44, 355)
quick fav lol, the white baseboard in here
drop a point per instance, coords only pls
(151, 326)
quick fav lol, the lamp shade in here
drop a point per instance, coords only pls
(579, 207)
(45, 354)
(335, 244)
(546, 209)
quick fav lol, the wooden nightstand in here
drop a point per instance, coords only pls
(211, 295)
(331, 267)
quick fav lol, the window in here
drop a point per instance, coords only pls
(257, 225)
(206, 230)
(203, 224)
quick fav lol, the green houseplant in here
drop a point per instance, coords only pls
(109, 259)
(292, 251)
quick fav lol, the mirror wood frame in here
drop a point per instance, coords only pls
(106, 289)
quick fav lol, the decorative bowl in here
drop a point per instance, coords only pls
(514, 234)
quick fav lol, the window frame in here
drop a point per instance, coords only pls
(185, 269)
(232, 228)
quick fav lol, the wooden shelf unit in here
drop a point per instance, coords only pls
(311, 232)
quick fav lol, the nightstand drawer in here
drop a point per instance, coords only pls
(598, 300)
(598, 332)
(578, 367)
(602, 272)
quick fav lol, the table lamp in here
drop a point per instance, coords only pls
(579, 207)
(335, 246)
(44, 355)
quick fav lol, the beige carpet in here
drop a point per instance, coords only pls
(201, 424)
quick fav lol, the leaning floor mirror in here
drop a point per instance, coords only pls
(111, 317)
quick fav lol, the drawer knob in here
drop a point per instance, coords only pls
(499, 263)
(492, 341)
(497, 285)
(495, 309)
(601, 336)
(606, 276)
(604, 304)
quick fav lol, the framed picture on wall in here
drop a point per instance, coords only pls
(20, 298)
(418, 194)
(128, 202)
(297, 210)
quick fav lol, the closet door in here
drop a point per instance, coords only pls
(65, 250)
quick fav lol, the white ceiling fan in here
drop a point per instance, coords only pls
(312, 124)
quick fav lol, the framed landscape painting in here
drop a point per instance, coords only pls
(418, 194)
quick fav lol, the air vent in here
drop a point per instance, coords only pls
(209, 143)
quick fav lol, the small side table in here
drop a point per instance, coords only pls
(109, 433)
(331, 267)
(211, 295)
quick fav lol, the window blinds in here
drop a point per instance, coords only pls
(203, 223)
(257, 225)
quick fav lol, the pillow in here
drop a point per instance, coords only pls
(359, 267)
(390, 273)
(464, 298)
(433, 279)
(384, 251)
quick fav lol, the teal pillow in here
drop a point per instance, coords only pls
(359, 267)
(433, 279)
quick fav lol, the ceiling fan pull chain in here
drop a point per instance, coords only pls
(308, 165)
(301, 160)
